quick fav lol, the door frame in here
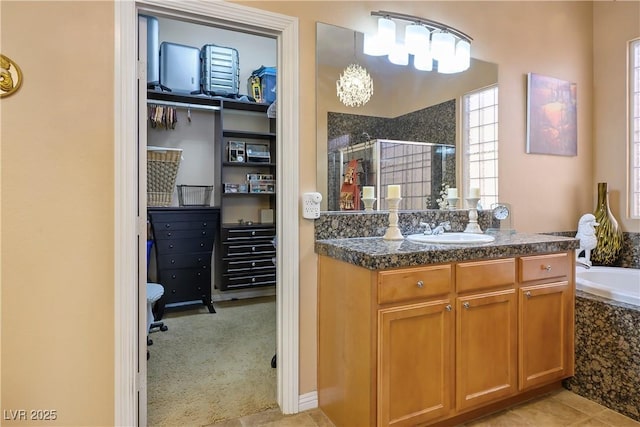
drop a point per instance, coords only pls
(130, 215)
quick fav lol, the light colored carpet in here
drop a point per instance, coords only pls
(212, 367)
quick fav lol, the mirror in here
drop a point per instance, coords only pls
(407, 107)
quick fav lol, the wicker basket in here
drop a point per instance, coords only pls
(194, 195)
(162, 169)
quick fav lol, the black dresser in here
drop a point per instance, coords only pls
(183, 240)
(247, 256)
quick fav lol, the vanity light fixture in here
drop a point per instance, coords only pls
(355, 86)
(432, 45)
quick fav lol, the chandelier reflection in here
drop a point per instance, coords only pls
(354, 86)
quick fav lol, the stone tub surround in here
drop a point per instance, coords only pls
(607, 340)
(630, 254)
(344, 225)
(376, 253)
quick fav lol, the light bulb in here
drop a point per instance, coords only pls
(416, 38)
(443, 46)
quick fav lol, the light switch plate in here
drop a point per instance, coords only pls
(311, 205)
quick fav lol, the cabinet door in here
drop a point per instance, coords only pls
(415, 369)
(546, 331)
(486, 348)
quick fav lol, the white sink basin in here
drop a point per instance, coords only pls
(456, 238)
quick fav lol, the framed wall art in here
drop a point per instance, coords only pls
(551, 116)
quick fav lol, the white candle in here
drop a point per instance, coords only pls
(393, 191)
(474, 193)
(367, 192)
(452, 193)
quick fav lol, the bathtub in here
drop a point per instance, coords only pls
(607, 338)
(616, 283)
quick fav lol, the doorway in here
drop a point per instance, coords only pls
(130, 257)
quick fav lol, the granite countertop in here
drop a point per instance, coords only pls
(375, 253)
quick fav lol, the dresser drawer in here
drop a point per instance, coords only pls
(185, 218)
(473, 276)
(173, 246)
(185, 260)
(413, 283)
(184, 234)
(185, 284)
(541, 267)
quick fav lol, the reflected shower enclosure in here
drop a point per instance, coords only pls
(421, 168)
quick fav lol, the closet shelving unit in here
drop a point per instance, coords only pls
(244, 251)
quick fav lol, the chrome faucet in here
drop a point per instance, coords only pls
(583, 262)
(436, 230)
(441, 228)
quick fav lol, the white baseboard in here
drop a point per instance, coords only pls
(217, 296)
(308, 401)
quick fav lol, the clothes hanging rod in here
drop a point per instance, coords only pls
(186, 106)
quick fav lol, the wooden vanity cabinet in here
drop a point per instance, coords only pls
(486, 332)
(415, 345)
(545, 323)
(438, 343)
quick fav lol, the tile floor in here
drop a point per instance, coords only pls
(556, 409)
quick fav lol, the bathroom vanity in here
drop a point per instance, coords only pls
(420, 334)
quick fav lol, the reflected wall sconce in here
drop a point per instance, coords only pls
(432, 45)
(355, 86)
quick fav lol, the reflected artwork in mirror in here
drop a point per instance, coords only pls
(407, 134)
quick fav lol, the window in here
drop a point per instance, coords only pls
(634, 128)
(480, 143)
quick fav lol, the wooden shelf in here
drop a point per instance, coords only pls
(202, 99)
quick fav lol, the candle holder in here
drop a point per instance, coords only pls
(393, 232)
(452, 202)
(472, 226)
(368, 204)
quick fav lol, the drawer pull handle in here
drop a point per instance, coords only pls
(420, 284)
(253, 279)
(253, 264)
(204, 224)
(201, 245)
(448, 307)
(204, 233)
(527, 294)
(168, 234)
(253, 233)
(466, 305)
(170, 246)
(173, 276)
(253, 248)
(173, 261)
(546, 267)
(167, 225)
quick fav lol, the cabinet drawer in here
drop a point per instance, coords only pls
(240, 249)
(184, 225)
(173, 246)
(413, 283)
(245, 233)
(246, 281)
(544, 266)
(250, 265)
(473, 276)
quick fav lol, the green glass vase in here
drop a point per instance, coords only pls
(608, 232)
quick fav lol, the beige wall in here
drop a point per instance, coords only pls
(57, 212)
(57, 187)
(613, 28)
